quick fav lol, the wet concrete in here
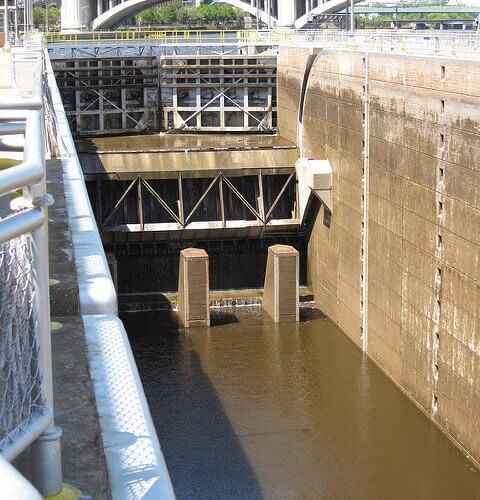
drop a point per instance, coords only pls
(246, 409)
(181, 142)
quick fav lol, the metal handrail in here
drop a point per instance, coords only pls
(31, 217)
(32, 169)
(426, 42)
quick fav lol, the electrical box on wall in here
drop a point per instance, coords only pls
(315, 178)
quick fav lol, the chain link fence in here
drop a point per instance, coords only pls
(20, 375)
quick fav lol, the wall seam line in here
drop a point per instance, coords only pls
(366, 186)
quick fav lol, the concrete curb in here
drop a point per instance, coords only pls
(97, 292)
(135, 463)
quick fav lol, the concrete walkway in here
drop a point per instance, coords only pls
(75, 410)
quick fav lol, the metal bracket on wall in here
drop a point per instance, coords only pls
(315, 178)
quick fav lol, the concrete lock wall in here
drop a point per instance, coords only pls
(397, 263)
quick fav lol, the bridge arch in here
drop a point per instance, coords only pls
(108, 14)
(328, 7)
(112, 17)
(289, 13)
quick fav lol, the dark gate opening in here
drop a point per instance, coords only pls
(234, 264)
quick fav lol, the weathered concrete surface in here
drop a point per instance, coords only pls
(75, 409)
(194, 288)
(290, 72)
(422, 214)
(280, 294)
(74, 405)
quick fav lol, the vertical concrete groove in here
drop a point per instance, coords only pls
(438, 280)
(301, 107)
(436, 338)
(365, 203)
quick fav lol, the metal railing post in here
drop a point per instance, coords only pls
(6, 27)
(45, 450)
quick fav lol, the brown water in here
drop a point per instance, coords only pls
(246, 409)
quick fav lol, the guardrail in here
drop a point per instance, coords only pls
(135, 463)
(430, 42)
(26, 392)
(163, 36)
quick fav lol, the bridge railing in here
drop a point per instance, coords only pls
(164, 36)
(26, 392)
(460, 44)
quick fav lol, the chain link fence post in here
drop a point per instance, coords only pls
(45, 451)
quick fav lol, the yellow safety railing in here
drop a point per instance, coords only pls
(378, 40)
(166, 36)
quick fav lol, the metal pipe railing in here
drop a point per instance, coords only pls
(14, 485)
(11, 127)
(425, 42)
(21, 223)
(35, 426)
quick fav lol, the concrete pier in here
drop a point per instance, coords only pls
(280, 296)
(194, 288)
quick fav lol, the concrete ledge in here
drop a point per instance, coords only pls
(136, 466)
(135, 463)
(97, 291)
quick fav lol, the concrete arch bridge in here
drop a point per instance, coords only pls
(109, 14)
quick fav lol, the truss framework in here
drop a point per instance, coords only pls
(221, 187)
(156, 49)
(227, 92)
(109, 94)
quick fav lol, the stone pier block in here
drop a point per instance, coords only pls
(193, 288)
(281, 294)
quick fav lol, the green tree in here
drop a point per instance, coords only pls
(40, 18)
(194, 17)
(176, 14)
(148, 16)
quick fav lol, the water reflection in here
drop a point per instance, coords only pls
(248, 409)
(204, 455)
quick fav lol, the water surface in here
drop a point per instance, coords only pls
(246, 409)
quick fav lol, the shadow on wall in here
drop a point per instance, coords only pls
(203, 454)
